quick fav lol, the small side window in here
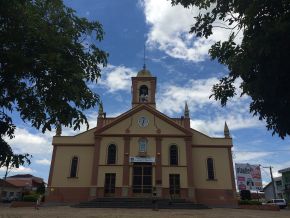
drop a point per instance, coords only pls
(112, 151)
(210, 169)
(173, 152)
(74, 167)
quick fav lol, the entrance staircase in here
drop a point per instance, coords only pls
(139, 203)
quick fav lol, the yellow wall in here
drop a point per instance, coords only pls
(106, 141)
(131, 123)
(134, 146)
(110, 169)
(202, 139)
(85, 154)
(62, 164)
(182, 171)
(221, 167)
(166, 143)
(85, 138)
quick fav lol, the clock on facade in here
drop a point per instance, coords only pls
(143, 121)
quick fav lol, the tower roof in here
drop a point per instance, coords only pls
(144, 73)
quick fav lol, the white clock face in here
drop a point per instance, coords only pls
(143, 121)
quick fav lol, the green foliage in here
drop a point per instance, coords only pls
(261, 60)
(249, 202)
(9, 160)
(30, 198)
(47, 54)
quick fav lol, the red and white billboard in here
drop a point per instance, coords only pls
(248, 177)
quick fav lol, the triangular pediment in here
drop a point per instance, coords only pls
(142, 119)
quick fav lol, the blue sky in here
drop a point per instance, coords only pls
(184, 73)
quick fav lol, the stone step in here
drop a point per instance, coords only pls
(139, 203)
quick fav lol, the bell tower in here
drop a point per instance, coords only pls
(143, 88)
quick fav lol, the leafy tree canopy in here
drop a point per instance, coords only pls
(261, 60)
(47, 54)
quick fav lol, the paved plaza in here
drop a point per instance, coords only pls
(68, 212)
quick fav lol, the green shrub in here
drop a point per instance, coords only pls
(249, 202)
(30, 198)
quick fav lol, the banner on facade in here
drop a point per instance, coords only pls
(248, 177)
(142, 159)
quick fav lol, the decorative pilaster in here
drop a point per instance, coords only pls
(51, 166)
(158, 169)
(96, 158)
(232, 173)
(134, 92)
(126, 167)
(153, 92)
(190, 173)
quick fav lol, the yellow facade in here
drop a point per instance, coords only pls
(222, 170)
(141, 149)
(62, 165)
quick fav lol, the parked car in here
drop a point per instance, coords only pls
(280, 202)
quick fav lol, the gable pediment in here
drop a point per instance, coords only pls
(158, 123)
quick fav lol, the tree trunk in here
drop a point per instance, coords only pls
(4, 182)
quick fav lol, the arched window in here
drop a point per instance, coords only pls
(112, 150)
(143, 93)
(74, 167)
(143, 145)
(210, 169)
(173, 152)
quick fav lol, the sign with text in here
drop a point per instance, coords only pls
(248, 177)
(142, 159)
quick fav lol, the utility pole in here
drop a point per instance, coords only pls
(273, 185)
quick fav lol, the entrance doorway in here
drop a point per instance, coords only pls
(110, 180)
(142, 179)
(174, 185)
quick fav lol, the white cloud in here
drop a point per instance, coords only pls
(216, 125)
(169, 27)
(196, 92)
(43, 161)
(245, 157)
(116, 78)
(277, 167)
(26, 142)
(20, 170)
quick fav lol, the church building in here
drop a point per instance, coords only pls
(139, 151)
